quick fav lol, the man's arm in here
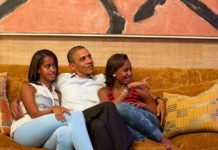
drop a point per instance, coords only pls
(103, 95)
(161, 109)
(16, 110)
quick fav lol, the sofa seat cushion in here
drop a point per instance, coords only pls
(8, 143)
(147, 146)
(196, 141)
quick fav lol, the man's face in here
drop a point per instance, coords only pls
(83, 63)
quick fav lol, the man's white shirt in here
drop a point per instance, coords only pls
(79, 93)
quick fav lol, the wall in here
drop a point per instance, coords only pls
(143, 52)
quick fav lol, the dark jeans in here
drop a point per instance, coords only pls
(106, 128)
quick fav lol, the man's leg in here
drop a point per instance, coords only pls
(99, 135)
(115, 127)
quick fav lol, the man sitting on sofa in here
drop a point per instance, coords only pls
(79, 92)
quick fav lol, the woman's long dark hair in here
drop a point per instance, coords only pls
(113, 64)
(36, 61)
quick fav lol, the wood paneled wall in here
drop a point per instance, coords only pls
(143, 52)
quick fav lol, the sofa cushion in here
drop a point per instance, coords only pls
(13, 88)
(189, 89)
(196, 141)
(5, 115)
(186, 114)
(148, 145)
(9, 144)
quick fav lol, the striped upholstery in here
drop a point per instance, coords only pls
(187, 114)
(5, 116)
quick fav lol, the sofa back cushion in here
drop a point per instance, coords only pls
(182, 81)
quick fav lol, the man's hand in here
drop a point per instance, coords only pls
(161, 110)
(138, 104)
(16, 110)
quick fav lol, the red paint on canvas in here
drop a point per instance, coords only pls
(90, 16)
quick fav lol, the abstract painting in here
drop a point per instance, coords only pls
(111, 17)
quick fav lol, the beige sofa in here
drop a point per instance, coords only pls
(182, 81)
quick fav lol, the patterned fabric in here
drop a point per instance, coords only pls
(133, 96)
(5, 115)
(192, 114)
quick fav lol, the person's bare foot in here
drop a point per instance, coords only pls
(164, 141)
(167, 142)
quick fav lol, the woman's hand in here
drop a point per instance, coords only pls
(143, 83)
(59, 112)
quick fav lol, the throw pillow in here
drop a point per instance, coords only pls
(5, 115)
(187, 114)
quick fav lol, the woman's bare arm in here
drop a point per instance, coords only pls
(28, 99)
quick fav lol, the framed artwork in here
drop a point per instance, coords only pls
(122, 18)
